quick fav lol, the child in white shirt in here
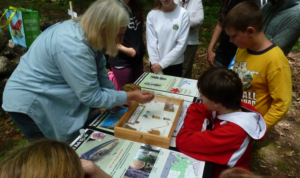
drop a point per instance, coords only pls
(167, 31)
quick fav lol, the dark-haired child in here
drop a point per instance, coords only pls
(234, 124)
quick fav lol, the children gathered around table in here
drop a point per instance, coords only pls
(261, 78)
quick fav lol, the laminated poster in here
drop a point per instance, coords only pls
(166, 83)
(123, 158)
(108, 120)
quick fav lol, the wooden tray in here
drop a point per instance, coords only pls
(145, 137)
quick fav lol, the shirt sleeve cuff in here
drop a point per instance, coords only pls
(122, 97)
(162, 65)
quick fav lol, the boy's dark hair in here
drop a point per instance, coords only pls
(222, 85)
(245, 14)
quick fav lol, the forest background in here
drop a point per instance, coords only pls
(277, 156)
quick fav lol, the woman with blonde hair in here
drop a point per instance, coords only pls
(167, 30)
(47, 159)
(63, 75)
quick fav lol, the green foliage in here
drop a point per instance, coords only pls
(210, 20)
(11, 122)
(147, 6)
(211, 2)
(148, 159)
(296, 46)
(281, 165)
(9, 146)
(2, 121)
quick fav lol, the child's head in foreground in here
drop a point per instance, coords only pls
(220, 86)
(42, 158)
(243, 23)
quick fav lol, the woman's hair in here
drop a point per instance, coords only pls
(101, 23)
(43, 158)
(237, 173)
(136, 8)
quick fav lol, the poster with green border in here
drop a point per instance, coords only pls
(31, 26)
(166, 83)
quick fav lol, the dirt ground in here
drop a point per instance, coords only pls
(278, 156)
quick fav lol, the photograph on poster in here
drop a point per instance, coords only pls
(113, 118)
(143, 162)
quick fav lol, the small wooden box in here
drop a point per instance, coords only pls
(141, 116)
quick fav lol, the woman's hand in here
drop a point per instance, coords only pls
(140, 96)
(156, 68)
(92, 171)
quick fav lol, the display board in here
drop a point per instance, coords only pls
(189, 93)
(188, 100)
(123, 158)
(166, 83)
(151, 123)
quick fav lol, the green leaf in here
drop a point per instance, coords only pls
(18, 130)
(21, 143)
(11, 122)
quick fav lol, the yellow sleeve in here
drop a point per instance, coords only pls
(280, 88)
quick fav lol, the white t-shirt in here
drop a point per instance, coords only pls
(195, 10)
(166, 35)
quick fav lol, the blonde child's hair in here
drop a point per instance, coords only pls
(101, 23)
(43, 158)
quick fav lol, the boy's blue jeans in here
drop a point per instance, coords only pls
(26, 125)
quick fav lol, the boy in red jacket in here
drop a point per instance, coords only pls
(234, 124)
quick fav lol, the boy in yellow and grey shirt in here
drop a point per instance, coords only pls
(261, 65)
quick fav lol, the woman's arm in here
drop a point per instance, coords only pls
(89, 84)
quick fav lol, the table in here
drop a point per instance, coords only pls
(164, 85)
